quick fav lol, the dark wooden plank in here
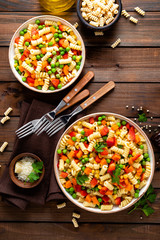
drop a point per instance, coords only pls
(130, 34)
(140, 65)
(29, 5)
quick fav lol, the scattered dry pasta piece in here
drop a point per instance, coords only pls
(4, 145)
(5, 119)
(140, 11)
(125, 14)
(75, 223)
(75, 25)
(76, 215)
(7, 112)
(62, 205)
(134, 20)
(115, 44)
(99, 33)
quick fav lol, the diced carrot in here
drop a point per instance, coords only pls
(103, 122)
(79, 154)
(34, 63)
(64, 158)
(74, 181)
(76, 161)
(43, 50)
(65, 70)
(103, 161)
(95, 200)
(139, 171)
(52, 29)
(26, 36)
(130, 169)
(68, 184)
(55, 82)
(71, 154)
(41, 83)
(17, 40)
(97, 159)
(142, 177)
(114, 127)
(116, 157)
(130, 161)
(63, 174)
(44, 38)
(137, 139)
(70, 142)
(129, 187)
(109, 192)
(88, 198)
(21, 68)
(31, 84)
(33, 75)
(36, 83)
(87, 170)
(44, 64)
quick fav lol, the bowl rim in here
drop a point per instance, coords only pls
(18, 182)
(11, 48)
(143, 190)
(104, 28)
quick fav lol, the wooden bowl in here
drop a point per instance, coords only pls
(16, 180)
(105, 27)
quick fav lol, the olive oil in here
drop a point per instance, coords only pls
(56, 6)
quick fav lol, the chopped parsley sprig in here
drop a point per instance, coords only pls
(35, 174)
(100, 147)
(81, 178)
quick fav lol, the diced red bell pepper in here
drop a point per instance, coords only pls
(97, 159)
(104, 131)
(23, 58)
(30, 80)
(88, 132)
(130, 151)
(118, 201)
(112, 167)
(72, 134)
(74, 52)
(83, 193)
(105, 199)
(61, 41)
(75, 152)
(131, 134)
(65, 56)
(26, 52)
(61, 28)
(17, 40)
(93, 182)
(127, 126)
(78, 188)
(55, 82)
(110, 142)
(86, 144)
(63, 174)
(105, 152)
(103, 190)
(91, 120)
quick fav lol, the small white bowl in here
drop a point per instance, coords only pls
(32, 21)
(142, 191)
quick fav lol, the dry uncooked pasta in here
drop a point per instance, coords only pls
(99, 33)
(76, 215)
(140, 11)
(75, 223)
(115, 44)
(8, 111)
(125, 14)
(62, 205)
(5, 119)
(134, 20)
(4, 145)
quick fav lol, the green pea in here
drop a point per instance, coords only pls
(50, 44)
(120, 146)
(82, 132)
(39, 87)
(54, 26)
(51, 88)
(148, 159)
(88, 190)
(136, 195)
(82, 140)
(38, 57)
(19, 72)
(108, 160)
(99, 123)
(100, 200)
(78, 63)
(143, 170)
(41, 55)
(37, 21)
(21, 33)
(61, 66)
(59, 31)
(85, 138)
(74, 57)
(114, 191)
(141, 146)
(104, 138)
(83, 161)
(57, 27)
(74, 195)
(21, 50)
(123, 123)
(121, 166)
(60, 35)
(17, 68)
(30, 65)
(57, 75)
(49, 72)
(27, 44)
(129, 155)
(62, 53)
(77, 67)
(40, 45)
(118, 124)
(86, 159)
(138, 180)
(64, 151)
(24, 79)
(74, 139)
(83, 188)
(96, 189)
(57, 39)
(49, 60)
(103, 116)
(59, 85)
(83, 168)
(40, 27)
(54, 53)
(71, 189)
(146, 155)
(16, 61)
(56, 35)
(100, 119)
(57, 64)
(64, 170)
(61, 49)
(58, 57)
(143, 163)
(25, 30)
(137, 190)
(67, 161)
(80, 57)
(59, 151)
(53, 70)
(67, 189)
(67, 49)
(53, 65)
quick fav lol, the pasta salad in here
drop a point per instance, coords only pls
(47, 55)
(103, 162)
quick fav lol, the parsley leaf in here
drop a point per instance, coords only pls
(81, 178)
(34, 176)
(116, 173)
(142, 117)
(147, 210)
(99, 147)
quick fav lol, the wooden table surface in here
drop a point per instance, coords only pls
(135, 67)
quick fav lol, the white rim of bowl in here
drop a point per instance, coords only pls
(53, 18)
(142, 191)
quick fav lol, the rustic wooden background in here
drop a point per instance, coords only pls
(135, 67)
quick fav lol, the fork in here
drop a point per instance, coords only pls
(61, 122)
(38, 124)
(29, 130)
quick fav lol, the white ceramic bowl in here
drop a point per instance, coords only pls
(142, 191)
(43, 18)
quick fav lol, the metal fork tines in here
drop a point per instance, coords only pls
(26, 129)
(61, 122)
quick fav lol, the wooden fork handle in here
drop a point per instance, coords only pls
(106, 88)
(78, 86)
(76, 99)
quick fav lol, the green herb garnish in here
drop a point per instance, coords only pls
(81, 178)
(142, 117)
(116, 173)
(99, 147)
(143, 203)
(35, 175)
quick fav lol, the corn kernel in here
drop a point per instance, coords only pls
(58, 23)
(91, 154)
(115, 196)
(85, 156)
(99, 186)
(108, 123)
(77, 59)
(96, 175)
(71, 33)
(121, 177)
(95, 162)
(118, 132)
(62, 78)
(15, 65)
(92, 171)
(26, 74)
(69, 170)
(140, 143)
(97, 171)
(34, 36)
(79, 43)
(20, 62)
(28, 61)
(137, 186)
(133, 154)
(79, 123)
(33, 58)
(136, 176)
(74, 36)
(125, 176)
(77, 146)
(101, 182)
